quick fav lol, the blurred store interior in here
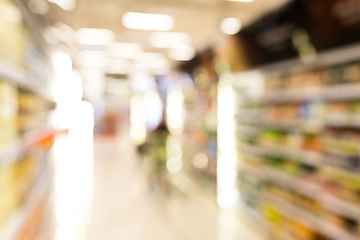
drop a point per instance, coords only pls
(179, 120)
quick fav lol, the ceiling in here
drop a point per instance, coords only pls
(199, 18)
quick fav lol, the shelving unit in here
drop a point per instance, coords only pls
(27, 134)
(300, 161)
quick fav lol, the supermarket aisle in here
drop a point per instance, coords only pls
(123, 208)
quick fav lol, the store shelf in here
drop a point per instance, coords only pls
(340, 206)
(28, 140)
(298, 185)
(312, 221)
(335, 232)
(295, 184)
(290, 210)
(24, 79)
(248, 131)
(20, 218)
(303, 156)
(337, 92)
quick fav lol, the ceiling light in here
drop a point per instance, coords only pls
(148, 21)
(169, 39)
(182, 53)
(125, 50)
(230, 25)
(94, 36)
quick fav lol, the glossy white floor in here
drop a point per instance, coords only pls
(124, 209)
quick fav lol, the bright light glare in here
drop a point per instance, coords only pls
(226, 100)
(148, 21)
(67, 5)
(95, 37)
(67, 94)
(175, 110)
(174, 164)
(137, 120)
(227, 157)
(200, 161)
(74, 176)
(169, 39)
(182, 53)
(125, 50)
(230, 26)
(154, 110)
(226, 199)
(63, 66)
(67, 91)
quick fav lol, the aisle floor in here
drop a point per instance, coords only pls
(125, 209)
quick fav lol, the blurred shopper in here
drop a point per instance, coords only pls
(156, 148)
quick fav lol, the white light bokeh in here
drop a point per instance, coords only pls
(174, 164)
(137, 120)
(175, 110)
(148, 21)
(230, 26)
(200, 161)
